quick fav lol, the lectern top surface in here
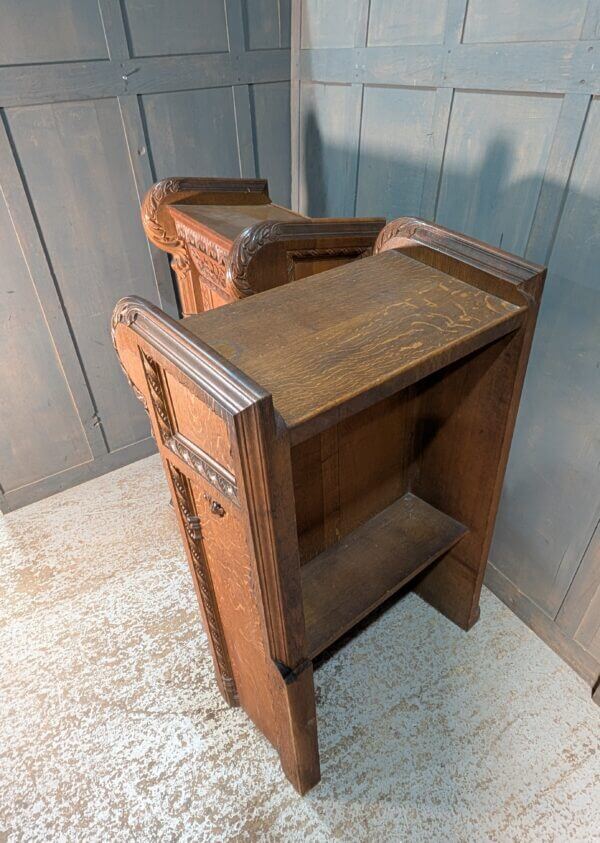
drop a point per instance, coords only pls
(230, 220)
(331, 344)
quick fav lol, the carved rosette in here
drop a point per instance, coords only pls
(193, 531)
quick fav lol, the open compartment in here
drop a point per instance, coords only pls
(385, 493)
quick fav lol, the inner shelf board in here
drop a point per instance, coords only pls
(346, 582)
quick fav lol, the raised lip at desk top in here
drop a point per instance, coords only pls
(330, 345)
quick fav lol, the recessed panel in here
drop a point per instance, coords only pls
(35, 31)
(395, 143)
(267, 24)
(169, 27)
(552, 489)
(524, 20)
(271, 118)
(329, 126)
(76, 166)
(193, 133)
(496, 156)
(329, 23)
(40, 429)
(406, 22)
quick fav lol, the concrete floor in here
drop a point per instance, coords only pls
(111, 726)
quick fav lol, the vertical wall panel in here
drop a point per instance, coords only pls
(271, 127)
(49, 31)
(329, 24)
(80, 149)
(406, 22)
(392, 164)
(160, 27)
(329, 131)
(579, 615)
(551, 501)
(524, 20)
(42, 434)
(267, 24)
(77, 172)
(193, 133)
(496, 155)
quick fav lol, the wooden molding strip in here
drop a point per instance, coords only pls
(530, 67)
(32, 84)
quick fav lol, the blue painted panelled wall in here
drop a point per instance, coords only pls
(99, 99)
(484, 115)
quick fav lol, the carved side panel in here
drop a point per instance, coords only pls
(212, 272)
(207, 272)
(224, 482)
(231, 481)
(194, 536)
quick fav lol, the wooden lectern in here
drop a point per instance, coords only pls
(328, 442)
(228, 240)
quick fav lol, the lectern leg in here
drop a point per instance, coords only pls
(298, 747)
(453, 590)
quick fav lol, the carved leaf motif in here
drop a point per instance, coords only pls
(203, 244)
(155, 197)
(245, 246)
(208, 269)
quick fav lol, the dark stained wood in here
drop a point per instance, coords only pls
(346, 582)
(327, 442)
(355, 337)
(229, 241)
(468, 412)
(249, 537)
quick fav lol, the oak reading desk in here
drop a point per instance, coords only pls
(330, 441)
(228, 240)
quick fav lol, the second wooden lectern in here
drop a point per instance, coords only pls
(330, 441)
(229, 241)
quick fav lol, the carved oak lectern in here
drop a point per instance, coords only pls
(228, 240)
(330, 441)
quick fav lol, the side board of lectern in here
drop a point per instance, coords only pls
(228, 240)
(356, 447)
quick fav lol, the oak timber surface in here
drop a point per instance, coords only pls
(231, 220)
(347, 581)
(351, 332)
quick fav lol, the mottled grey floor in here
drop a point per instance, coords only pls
(111, 727)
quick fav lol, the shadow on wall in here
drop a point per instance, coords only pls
(485, 202)
(549, 506)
